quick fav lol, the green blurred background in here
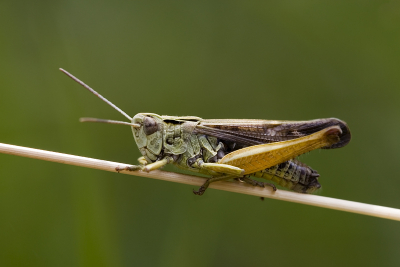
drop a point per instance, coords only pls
(290, 60)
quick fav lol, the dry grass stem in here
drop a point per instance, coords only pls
(313, 200)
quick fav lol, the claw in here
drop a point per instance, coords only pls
(271, 185)
(200, 191)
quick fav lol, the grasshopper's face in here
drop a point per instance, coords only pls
(149, 136)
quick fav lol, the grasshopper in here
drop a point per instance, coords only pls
(231, 148)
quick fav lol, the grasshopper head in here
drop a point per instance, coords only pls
(147, 127)
(148, 135)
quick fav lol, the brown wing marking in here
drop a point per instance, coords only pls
(255, 132)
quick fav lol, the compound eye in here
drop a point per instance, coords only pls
(150, 125)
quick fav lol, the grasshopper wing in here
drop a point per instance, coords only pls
(256, 132)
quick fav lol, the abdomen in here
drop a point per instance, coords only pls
(293, 175)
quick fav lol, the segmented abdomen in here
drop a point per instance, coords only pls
(293, 175)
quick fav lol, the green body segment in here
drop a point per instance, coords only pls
(293, 175)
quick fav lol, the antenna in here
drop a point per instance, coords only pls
(95, 93)
(135, 125)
